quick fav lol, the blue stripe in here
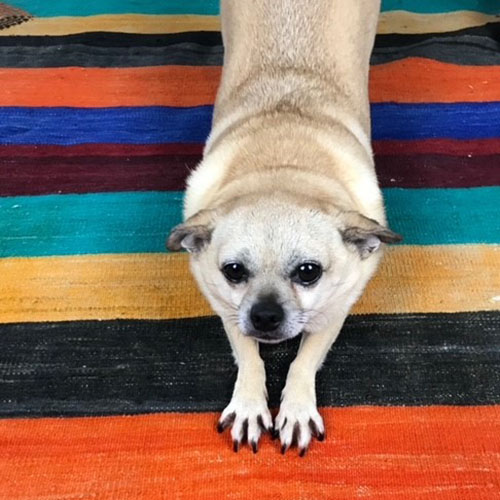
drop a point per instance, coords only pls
(479, 120)
(154, 124)
(139, 222)
(125, 125)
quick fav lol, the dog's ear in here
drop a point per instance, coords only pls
(194, 234)
(366, 234)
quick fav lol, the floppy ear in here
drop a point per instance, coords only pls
(194, 234)
(366, 234)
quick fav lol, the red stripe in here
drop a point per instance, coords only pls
(430, 146)
(437, 171)
(91, 174)
(101, 150)
(29, 175)
(438, 146)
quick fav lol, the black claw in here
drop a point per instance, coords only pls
(321, 436)
(296, 433)
(261, 423)
(236, 446)
(283, 449)
(284, 423)
(255, 449)
(244, 433)
(224, 424)
(314, 428)
(302, 452)
(274, 433)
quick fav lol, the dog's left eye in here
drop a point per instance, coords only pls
(307, 273)
(235, 272)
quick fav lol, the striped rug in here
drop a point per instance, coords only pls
(113, 368)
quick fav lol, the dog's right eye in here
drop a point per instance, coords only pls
(235, 272)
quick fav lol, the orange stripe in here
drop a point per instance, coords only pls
(103, 87)
(424, 80)
(408, 80)
(425, 453)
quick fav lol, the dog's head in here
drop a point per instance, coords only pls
(275, 267)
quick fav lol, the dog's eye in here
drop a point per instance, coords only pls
(307, 273)
(235, 272)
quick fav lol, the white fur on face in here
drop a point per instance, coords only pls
(271, 239)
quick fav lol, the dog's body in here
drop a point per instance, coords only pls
(284, 216)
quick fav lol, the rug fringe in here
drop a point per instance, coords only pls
(12, 16)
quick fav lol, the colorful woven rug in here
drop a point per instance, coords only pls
(113, 368)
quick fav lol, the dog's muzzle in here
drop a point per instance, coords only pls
(266, 318)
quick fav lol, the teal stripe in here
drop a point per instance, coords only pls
(87, 224)
(445, 216)
(52, 8)
(131, 222)
(442, 6)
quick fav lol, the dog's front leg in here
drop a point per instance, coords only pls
(298, 419)
(247, 413)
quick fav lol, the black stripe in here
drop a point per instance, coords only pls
(23, 52)
(115, 367)
(211, 38)
(489, 30)
(113, 39)
(187, 54)
(465, 50)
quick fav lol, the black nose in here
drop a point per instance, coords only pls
(266, 316)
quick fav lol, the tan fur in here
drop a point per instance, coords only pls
(294, 91)
(287, 176)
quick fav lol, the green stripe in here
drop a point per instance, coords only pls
(129, 222)
(53, 8)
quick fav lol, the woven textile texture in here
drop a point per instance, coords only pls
(10, 16)
(113, 369)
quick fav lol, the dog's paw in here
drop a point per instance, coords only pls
(248, 419)
(297, 423)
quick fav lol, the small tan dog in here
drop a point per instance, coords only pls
(284, 218)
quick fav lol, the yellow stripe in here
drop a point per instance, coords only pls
(400, 21)
(390, 22)
(412, 279)
(125, 23)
